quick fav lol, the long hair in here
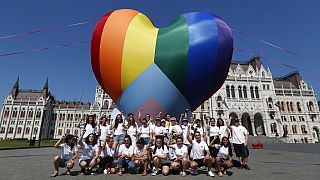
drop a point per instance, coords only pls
(228, 145)
(218, 122)
(131, 122)
(67, 139)
(116, 121)
(141, 141)
(95, 140)
(155, 146)
(130, 141)
(93, 124)
(105, 122)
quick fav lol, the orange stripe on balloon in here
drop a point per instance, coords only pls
(111, 48)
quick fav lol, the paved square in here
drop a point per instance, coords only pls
(276, 161)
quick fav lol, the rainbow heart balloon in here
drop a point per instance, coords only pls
(169, 69)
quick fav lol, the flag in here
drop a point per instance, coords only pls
(278, 105)
(225, 103)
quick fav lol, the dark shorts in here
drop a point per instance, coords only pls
(63, 163)
(200, 162)
(88, 161)
(241, 150)
(106, 160)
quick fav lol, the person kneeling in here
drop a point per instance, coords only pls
(68, 155)
(125, 155)
(107, 161)
(198, 150)
(160, 157)
(224, 157)
(140, 156)
(179, 155)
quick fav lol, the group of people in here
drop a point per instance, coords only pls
(167, 146)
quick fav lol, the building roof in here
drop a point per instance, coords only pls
(283, 84)
(72, 104)
(255, 62)
(292, 79)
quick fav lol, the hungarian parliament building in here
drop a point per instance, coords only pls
(284, 107)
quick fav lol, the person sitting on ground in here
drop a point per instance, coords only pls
(125, 155)
(68, 155)
(224, 156)
(107, 161)
(90, 153)
(199, 158)
(239, 140)
(179, 156)
(160, 156)
(140, 156)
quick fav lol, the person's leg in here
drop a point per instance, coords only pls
(157, 165)
(56, 164)
(193, 165)
(208, 162)
(120, 163)
(69, 167)
(145, 167)
(184, 166)
(83, 165)
(165, 170)
(93, 164)
(175, 165)
(131, 166)
(218, 165)
(227, 165)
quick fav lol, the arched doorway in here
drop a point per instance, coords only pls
(246, 122)
(233, 116)
(317, 132)
(258, 124)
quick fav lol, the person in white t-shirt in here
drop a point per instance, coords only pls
(125, 154)
(132, 130)
(119, 127)
(223, 129)
(160, 156)
(107, 157)
(199, 126)
(224, 156)
(185, 126)
(90, 153)
(145, 131)
(174, 128)
(199, 158)
(103, 130)
(158, 130)
(68, 154)
(140, 156)
(239, 139)
(179, 156)
(213, 132)
(89, 126)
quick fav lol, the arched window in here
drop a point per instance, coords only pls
(19, 130)
(76, 132)
(30, 114)
(14, 112)
(27, 130)
(273, 127)
(298, 107)
(3, 129)
(233, 94)
(240, 91)
(291, 106)
(23, 113)
(38, 114)
(311, 106)
(10, 130)
(6, 112)
(257, 92)
(106, 103)
(251, 92)
(303, 129)
(68, 131)
(282, 106)
(285, 130)
(288, 107)
(35, 131)
(60, 132)
(294, 129)
(245, 92)
(228, 90)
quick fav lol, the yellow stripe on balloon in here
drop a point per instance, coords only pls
(139, 49)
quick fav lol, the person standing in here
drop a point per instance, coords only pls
(239, 139)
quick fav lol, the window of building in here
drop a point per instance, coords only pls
(10, 130)
(288, 107)
(19, 130)
(30, 114)
(23, 113)
(36, 122)
(12, 122)
(60, 132)
(233, 94)
(76, 132)
(303, 129)
(68, 131)
(14, 113)
(20, 122)
(35, 131)
(202, 106)
(282, 106)
(257, 92)
(273, 127)
(245, 92)
(6, 112)
(285, 130)
(27, 130)
(298, 107)
(251, 92)
(28, 122)
(294, 129)
(4, 122)
(51, 132)
(38, 114)
(291, 106)
(240, 92)
(268, 87)
(264, 87)
(3, 129)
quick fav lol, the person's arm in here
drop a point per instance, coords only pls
(75, 155)
(104, 144)
(98, 130)
(229, 124)
(189, 135)
(142, 156)
(80, 139)
(57, 145)
(180, 121)
(246, 138)
(97, 155)
(139, 115)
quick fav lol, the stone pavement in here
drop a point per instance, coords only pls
(276, 161)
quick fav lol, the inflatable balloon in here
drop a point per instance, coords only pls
(169, 69)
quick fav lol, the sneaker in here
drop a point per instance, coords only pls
(195, 172)
(202, 168)
(105, 171)
(246, 167)
(154, 173)
(211, 174)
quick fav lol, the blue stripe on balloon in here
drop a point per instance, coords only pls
(202, 56)
(153, 84)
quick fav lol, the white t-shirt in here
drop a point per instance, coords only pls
(238, 134)
(145, 131)
(161, 152)
(108, 151)
(66, 152)
(179, 152)
(89, 130)
(223, 152)
(132, 131)
(223, 131)
(104, 130)
(175, 128)
(125, 150)
(159, 130)
(184, 134)
(138, 152)
(213, 131)
(88, 151)
(197, 151)
(119, 130)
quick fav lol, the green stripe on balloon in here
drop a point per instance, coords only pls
(172, 52)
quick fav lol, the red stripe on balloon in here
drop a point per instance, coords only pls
(95, 47)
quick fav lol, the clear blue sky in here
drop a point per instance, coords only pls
(293, 24)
